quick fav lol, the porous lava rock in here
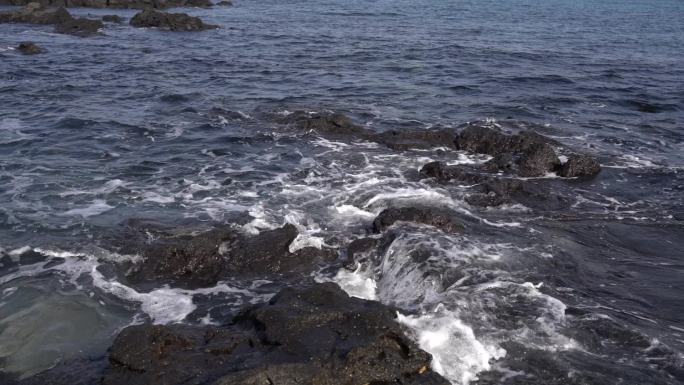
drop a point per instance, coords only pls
(316, 335)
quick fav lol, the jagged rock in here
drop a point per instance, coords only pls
(203, 260)
(112, 19)
(312, 336)
(501, 162)
(440, 218)
(150, 18)
(580, 165)
(483, 140)
(225, 3)
(29, 48)
(527, 153)
(538, 160)
(322, 122)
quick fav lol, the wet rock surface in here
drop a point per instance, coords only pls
(441, 218)
(202, 260)
(35, 13)
(527, 154)
(179, 22)
(29, 48)
(314, 335)
(579, 166)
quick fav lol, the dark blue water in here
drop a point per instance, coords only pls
(176, 128)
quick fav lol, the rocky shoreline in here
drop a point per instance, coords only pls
(311, 333)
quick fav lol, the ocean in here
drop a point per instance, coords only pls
(177, 129)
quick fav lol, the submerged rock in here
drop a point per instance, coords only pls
(440, 218)
(329, 123)
(29, 48)
(35, 13)
(150, 18)
(309, 336)
(203, 260)
(112, 19)
(225, 3)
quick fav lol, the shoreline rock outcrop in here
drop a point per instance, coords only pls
(305, 336)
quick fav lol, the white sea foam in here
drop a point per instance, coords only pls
(97, 207)
(357, 283)
(456, 353)
(107, 188)
(163, 305)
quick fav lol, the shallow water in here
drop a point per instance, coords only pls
(127, 125)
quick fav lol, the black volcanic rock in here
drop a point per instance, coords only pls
(440, 218)
(538, 160)
(29, 48)
(527, 153)
(310, 336)
(150, 18)
(483, 140)
(202, 260)
(445, 173)
(580, 165)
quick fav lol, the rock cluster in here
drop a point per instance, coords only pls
(39, 13)
(35, 13)
(502, 179)
(132, 4)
